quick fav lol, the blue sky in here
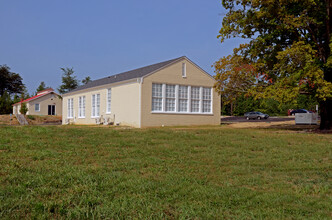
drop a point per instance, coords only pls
(105, 37)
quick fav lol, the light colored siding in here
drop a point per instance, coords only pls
(124, 104)
(173, 75)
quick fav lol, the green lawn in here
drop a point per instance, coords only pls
(203, 173)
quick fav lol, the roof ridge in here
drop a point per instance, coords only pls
(131, 74)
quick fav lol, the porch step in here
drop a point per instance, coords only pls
(21, 119)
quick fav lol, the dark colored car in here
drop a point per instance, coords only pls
(255, 115)
(299, 111)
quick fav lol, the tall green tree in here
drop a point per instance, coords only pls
(86, 80)
(5, 103)
(69, 81)
(290, 45)
(41, 87)
(10, 82)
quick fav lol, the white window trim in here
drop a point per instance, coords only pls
(38, 107)
(184, 70)
(182, 113)
(95, 116)
(178, 99)
(211, 100)
(189, 110)
(70, 102)
(80, 109)
(175, 97)
(108, 103)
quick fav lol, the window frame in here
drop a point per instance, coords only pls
(38, 107)
(170, 99)
(109, 101)
(191, 97)
(209, 99)
(70, 108)
(157, 97)
(184, 70)
(95, 106)
(81, 106)
(180, 98)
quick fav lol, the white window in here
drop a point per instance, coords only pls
(207, 100)
(170, 98)
(183, 98)
(109, 93)
(95, 105)
(81, 107)
(184, 70)
(195, 99)
(70, 108)
(157, 97)
(37, 107)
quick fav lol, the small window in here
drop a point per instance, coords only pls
(183, 98)
(184, 70)
(95, 105)
(109, 95)
(157, 98)
(37, 107)
(81, 107)
(170, 98)
(207, 100)
(195, 99)
(70, 108)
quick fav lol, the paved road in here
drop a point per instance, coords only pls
(243, 119)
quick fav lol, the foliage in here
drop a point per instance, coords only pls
(69, 81)
(233, 77)
(163, 173)
(31, 117)
(86, 80)
(10, 82)
(289, 46)
(269, 106)
(5, 103)
(41, 87)
(24, 108)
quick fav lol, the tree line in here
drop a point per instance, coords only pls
(13, 90)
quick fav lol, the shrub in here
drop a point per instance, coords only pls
(31, 117)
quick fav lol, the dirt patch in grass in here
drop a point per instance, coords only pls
(5, 120)
(47, 119)
(286, 125)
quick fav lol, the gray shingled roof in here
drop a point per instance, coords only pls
(132, 74)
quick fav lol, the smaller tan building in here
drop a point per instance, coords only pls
(45, 102)
(173, 92)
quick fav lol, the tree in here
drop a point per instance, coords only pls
(24, 108)
(41, 87)
(234, 78)
(290, 45)
(86, 80)
(10, 82)
(69, 81)
(5, 103)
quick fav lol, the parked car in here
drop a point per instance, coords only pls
(256, 115)
(293, 112)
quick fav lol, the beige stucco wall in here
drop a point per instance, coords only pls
(124, 104)
(173, 75)
(44, 101)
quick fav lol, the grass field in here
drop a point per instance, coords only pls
(200, 173)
